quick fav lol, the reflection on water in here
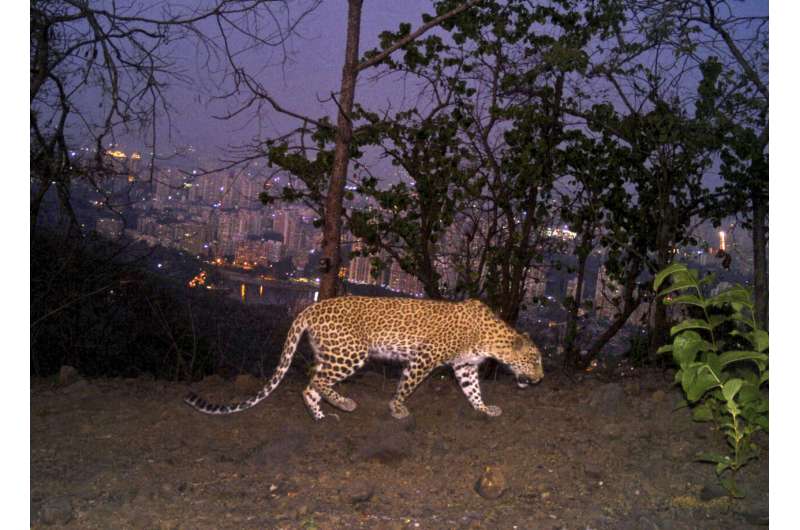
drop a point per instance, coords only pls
(295, 298)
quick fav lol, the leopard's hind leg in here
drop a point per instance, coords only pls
(329, 369)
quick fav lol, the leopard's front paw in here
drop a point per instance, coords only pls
(398, 410)
(347, 405)
(493, 410)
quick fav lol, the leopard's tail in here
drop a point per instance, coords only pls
(298, 327)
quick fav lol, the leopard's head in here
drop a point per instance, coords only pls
(525, 360)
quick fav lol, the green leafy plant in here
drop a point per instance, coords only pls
(724, 363)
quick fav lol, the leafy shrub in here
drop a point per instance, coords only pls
(723, 360)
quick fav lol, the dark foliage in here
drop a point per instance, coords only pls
(94, 306)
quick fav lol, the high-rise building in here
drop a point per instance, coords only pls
(251, 253)
(288, 224)
(572, 287)
(360, 268)
(402, 282)
(192, 237)
(274, 251)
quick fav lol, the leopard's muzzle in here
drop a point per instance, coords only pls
(524, 381)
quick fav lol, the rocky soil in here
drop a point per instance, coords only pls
(594, 453)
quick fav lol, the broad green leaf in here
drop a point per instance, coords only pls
(738, 317)
(733, 408)
(763, 422)
(749, 393)
(708, 279)
(712, 360)
(731, 387)
(726, 423)
(735, 356)
(686, 346)
(712, 457)
(661, 276)
(716, 320)
(682, 403)
(690, 323)
(764, 377)
(677, 285)
(750, 377)
(760, 339)
(702, 382)
(736, 294)
(664, 349)
(702, 413)
(690, 299)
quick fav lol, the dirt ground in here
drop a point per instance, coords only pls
(594, 453)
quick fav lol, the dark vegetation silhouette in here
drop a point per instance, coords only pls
(96, 306)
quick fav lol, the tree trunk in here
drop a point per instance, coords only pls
(332, 231)
(760, 280)
(629, 306)
(571, 333)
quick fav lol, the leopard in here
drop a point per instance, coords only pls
(421, 334)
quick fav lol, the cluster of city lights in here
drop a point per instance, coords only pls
(560, 233)
(198, 280)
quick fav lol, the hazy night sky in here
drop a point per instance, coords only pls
(303, 83)
(312, 72)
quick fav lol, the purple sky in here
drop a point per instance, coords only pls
(312, 72)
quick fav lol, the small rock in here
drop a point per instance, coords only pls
(247, 384)
(68, 375)
(492, 483)
(57, 510)
(545, 495)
